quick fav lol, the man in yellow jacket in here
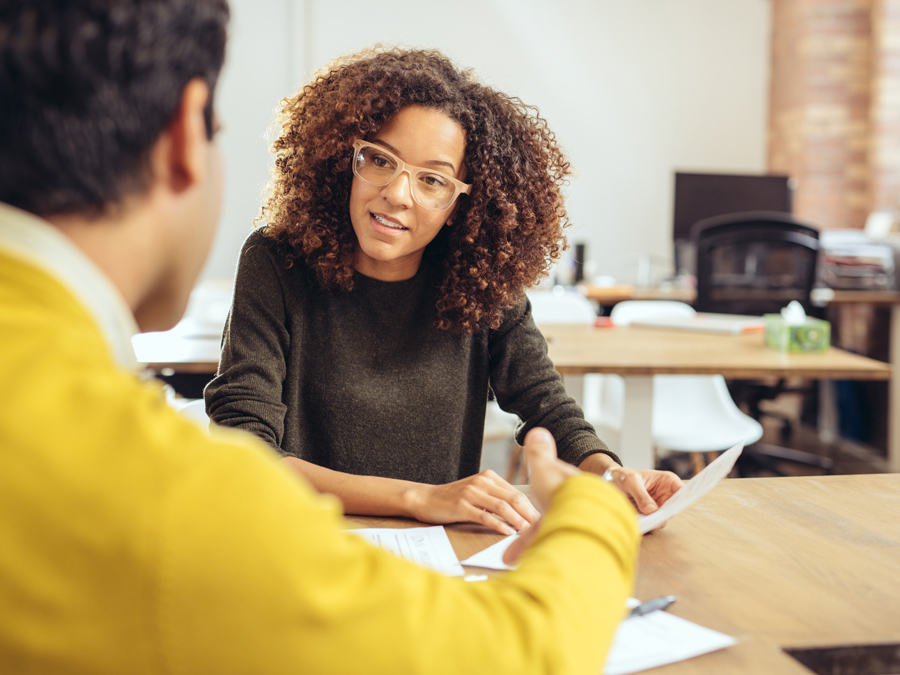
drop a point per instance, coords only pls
(131, 541)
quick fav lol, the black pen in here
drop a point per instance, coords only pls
(653, 605)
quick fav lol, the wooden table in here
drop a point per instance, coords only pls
(820, 296)
(774, 562)
(636, 353)
(606, 296)
(892, 300)
(640, 353)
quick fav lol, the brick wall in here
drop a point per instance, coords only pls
(834, 116)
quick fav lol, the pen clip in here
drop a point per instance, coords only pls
(654, 605)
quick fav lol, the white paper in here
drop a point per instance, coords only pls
(658, 638)
(492, 557)
(426, 546)
(693, 489)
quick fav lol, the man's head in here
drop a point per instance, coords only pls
(87, 88)
(106, 126)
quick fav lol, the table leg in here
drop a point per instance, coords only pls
(574, 385)
(828, 416)
(893, 440)
(636, 441)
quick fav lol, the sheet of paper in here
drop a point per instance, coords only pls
(693, 489)
(492, 557)
(658, 638)
(425, 546)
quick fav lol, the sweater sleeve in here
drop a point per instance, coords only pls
(526, 383)
(247, 390)
(303, 596)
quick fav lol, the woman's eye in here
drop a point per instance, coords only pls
(432, 180)
(382, 162)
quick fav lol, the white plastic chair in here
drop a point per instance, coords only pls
(691, 413)
(195, 410)
(564, 306)
(561, 306)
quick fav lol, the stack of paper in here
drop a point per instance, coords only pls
(426, 546)
(640, 642)
(658, 638)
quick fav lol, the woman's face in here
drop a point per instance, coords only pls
(391, 227)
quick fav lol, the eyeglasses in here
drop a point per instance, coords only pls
(432, 189)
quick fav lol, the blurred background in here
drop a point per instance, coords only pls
(634, 91)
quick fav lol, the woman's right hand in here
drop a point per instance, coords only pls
(477, 499)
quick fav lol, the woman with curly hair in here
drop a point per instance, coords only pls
(384, 299)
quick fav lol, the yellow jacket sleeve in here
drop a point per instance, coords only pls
(302, 594)
(132, 542)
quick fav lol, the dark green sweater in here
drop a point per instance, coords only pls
(362, 382)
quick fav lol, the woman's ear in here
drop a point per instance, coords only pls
(449, 221)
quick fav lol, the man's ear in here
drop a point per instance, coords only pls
(185, 144)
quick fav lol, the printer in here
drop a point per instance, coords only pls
(851, 259)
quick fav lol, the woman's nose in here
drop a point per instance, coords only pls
(399, 190)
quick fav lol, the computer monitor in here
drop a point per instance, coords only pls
(703, 195)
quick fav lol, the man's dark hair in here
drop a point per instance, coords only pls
(86, 89)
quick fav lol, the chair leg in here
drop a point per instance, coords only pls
(698, 462)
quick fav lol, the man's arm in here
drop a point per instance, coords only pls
(256, 576)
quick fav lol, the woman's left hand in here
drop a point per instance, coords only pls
(647, 489)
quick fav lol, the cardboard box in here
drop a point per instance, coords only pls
(812, 336)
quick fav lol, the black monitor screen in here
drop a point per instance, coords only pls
(703, 195)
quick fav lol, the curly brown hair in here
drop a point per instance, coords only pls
(506, 233)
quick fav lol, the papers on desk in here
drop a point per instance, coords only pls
(640, 642)
(658, 638)
(731, 324)
(426, 546)
(693, 489)
(492, 557)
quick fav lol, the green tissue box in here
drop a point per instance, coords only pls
(812, 336)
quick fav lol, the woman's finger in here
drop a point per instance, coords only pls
(474, 514)
(517, 501)
(633, 486)
(502, 508)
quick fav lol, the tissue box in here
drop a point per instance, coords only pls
(812, 336)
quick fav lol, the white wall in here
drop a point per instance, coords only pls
(634, 90)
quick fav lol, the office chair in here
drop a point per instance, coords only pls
(756, 262)
(691, 414)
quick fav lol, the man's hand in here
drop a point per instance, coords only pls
(547, 471)
(547, 474)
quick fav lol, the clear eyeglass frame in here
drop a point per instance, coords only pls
(458, 186)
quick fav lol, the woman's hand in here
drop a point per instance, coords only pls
(477, 499)
(647, 489)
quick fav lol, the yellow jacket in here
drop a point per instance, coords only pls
(132, 542)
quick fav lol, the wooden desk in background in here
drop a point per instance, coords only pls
(606, 296)
(636, 353)
(889, 299)
(774, 562)
(640, 353)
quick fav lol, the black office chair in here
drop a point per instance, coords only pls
(756, 262)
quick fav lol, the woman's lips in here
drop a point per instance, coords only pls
(386, 225)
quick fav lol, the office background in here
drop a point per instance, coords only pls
(634, 90)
